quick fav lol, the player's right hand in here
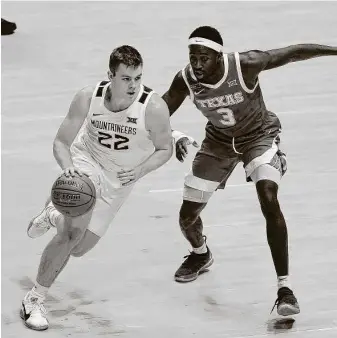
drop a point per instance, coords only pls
(70, 171)
(181, 147)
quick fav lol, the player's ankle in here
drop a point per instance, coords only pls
(283, 281)
(201, 249)
(39, 290)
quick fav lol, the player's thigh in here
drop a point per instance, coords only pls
(263, 160)
(210, 171)
(83, 160)
(106, 208)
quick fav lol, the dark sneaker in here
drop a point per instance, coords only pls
(7, 27)
(193, 265)
(286, 303)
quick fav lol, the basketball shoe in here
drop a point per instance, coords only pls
(286, 302)
(33, 312)
(7, 27)
(193, 265)
(40, 224)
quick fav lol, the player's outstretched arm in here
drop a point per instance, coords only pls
(176, 94)
(255, 61)
(70, 127)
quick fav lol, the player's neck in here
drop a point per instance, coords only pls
(116, 104)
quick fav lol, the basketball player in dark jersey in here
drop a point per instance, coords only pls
(225, 88)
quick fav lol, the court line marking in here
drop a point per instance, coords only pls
(181, 189)
(289, 332)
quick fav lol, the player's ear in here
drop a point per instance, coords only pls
(219, 57)
(110, 75)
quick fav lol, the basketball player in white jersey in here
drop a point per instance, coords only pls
(240, 129)
(115, 132)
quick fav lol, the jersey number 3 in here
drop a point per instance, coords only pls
(227, 115)
(120, 142)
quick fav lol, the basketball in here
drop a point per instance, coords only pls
(73, 196)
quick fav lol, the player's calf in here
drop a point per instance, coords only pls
(191, 226)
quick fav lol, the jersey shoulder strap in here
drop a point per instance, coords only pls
(145, 94)
(99, 88)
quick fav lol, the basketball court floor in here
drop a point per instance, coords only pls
(124, 287)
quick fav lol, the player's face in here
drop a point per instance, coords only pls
(126, 81)
(204, 61)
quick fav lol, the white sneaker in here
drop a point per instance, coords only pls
(40, 224)
(33, 312)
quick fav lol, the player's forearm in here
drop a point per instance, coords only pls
(62, 155)
(300, 52)
(156, 160)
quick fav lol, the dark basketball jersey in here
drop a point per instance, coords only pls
(233, 110)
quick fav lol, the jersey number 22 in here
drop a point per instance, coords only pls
(120, 141)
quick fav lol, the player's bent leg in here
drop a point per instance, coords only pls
(267, 178)
(191, 226)
(210, 170)
(88, 242)
(53, 260)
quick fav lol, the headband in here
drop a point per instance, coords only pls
(205, 42)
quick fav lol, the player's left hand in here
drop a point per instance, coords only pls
(129, 176)
(182, 141)
(181, 147)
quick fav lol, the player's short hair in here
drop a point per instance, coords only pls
(126, 55)
(207, 32)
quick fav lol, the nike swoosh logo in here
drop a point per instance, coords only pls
(199, 92)
(96, 114)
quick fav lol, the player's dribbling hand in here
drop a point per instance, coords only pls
(70, 171)
(181, 147)
(129, 176)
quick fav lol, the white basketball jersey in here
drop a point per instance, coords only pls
(116, 140)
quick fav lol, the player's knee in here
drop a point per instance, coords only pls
(88, 241)
(267, 191)
(189, 213)
(71, 235)
(79, 252)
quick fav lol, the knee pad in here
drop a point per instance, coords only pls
(195, 195)
(266, 172)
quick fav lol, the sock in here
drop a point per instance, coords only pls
(39, 290)
(201, 250)
(283, 281)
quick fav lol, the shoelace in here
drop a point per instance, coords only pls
(37, 304)
(287, 296)
(41, 221)
(191, 258)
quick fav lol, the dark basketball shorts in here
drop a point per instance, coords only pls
(216, 159)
